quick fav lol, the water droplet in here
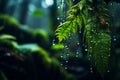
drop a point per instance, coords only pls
(66, 61)
(111, 3)
(92, 30)
(80, 31)
(61, 56)
(58, 7)
(91, 41)
(114, 39)
(61, 64)
(53, 44)
(91, 70)
(58, 18)
(86, 49)
(77, 52)
(66, 68)
(108, 70)
(76, 55)
(90, 47)
(78, 43)
(90, 55)
(8, 54)
(109, 55)
(67, 48)
(68, 54)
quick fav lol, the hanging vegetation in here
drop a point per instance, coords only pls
(93, 18)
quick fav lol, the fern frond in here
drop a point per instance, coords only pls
(63, 31)
(101, 52)
(98, 39)
(92, 19)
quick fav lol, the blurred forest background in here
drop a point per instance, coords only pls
(30, 51)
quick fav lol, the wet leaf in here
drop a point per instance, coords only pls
(38, 13)
(63, 31)
(58, 46)
(7, 37)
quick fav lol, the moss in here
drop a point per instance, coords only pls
(36, 63)
(8, 20)
(39, 33)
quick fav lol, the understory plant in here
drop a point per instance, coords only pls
(92, 18)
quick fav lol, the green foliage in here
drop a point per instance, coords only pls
(100, 51)
(37, 13)
(8, 20)
(95, 21)
(58, 46)
(40, 32)
(69, 3)
(63, 30)
(7, 37)
(75, 19)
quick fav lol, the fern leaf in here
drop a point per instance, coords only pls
(63, 31)
(97, 38)
(101, 52)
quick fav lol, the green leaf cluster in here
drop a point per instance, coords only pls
(94, 19)
(75, 19)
